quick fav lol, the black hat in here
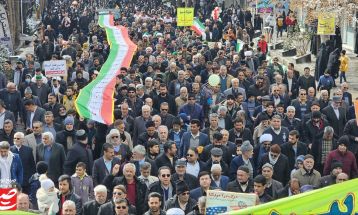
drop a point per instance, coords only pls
(149, 124)
(181, 187)
(343, 140)
(41, 167)
(316, 114)
(336, 164)
(81, 134)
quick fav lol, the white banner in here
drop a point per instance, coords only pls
(5, 35)
(55, 68)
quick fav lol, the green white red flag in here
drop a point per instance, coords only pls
(96, 101)
(199, 28)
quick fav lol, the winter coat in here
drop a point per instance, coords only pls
(333, 63)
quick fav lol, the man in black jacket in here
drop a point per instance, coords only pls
(164, 186)
(92, 207)
(79, 153)
(181, 175)
(243, 183)
(182, 199)
(293, 148)
(168, 157)
(136, 189)
(66, 193)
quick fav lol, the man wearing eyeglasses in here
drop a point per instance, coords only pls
(342, 177)
(164, 186)
(182, 199)
(279, 162)
(258, 89)
(27, 159)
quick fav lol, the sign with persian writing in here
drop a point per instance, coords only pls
(221, 201)
(55, 68)
(5, 35)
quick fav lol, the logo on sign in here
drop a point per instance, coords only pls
(8, 199)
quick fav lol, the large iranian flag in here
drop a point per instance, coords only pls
(95, 101)
(199, 28)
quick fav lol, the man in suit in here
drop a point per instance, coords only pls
(139, 158)
(194, 138)
(204, 181)
(27, 159)
(14, 168)
(235, 89)
(336, 115)
(139, 123)
(7, 115)
(35, 138)
(103, 166)
(33, 113)
(347, 96)
(12, 99)
(217, 179)
(291, 83)
(53, 154)
(293, 148)
(50, 125)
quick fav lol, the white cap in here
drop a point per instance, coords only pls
(266, 138)
(175, 211)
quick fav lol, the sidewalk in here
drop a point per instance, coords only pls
(352, 75)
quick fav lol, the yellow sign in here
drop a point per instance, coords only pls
(326, 24)
(185, 16)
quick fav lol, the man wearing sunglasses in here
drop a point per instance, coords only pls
(182, 199)
(279, 161)
(164, 186)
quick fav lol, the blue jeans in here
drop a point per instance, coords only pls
(342, 75)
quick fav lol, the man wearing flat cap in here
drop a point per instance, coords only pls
(217, 158)
(181, 175)
(182, 199)
(336, 115)
(80, 152)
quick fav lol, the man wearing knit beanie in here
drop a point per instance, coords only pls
(79, 153)
(343, 155)
(181, 199)
(336, 168)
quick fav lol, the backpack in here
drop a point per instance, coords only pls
(279, 22)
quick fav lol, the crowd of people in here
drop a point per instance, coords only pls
(260, 130)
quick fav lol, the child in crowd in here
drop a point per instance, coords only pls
(82, 183)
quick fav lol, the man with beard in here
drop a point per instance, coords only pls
(154, 203)
(257, 89)
(92, 207)
(165, 97)
(182, 98)
(153, 149)
(168, 157)
(167, 118)
(293, 148)
(307, 175)
(242, 182)
(264, 147)
(279, 162)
